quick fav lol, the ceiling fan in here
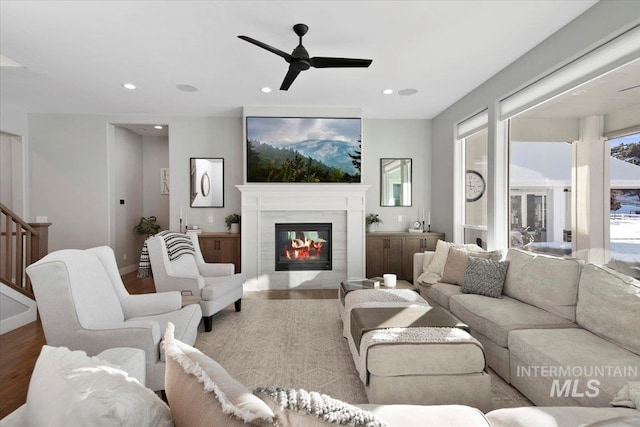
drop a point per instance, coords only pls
(299, 59)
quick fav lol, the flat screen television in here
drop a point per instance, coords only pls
(303, 149)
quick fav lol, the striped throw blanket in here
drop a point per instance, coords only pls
(177, 244)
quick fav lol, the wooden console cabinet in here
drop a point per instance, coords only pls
(221, 247)
(392, 252)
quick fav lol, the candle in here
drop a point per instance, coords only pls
(180, 212)
(429, 220)
(186, 219)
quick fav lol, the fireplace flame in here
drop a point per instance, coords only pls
(303, 249)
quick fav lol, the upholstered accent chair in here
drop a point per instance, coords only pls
(217, 284)
(84, 305)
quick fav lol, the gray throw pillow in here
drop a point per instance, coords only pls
(485, 277)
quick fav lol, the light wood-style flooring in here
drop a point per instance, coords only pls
(20, 348)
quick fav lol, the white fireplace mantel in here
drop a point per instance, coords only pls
(259, 199)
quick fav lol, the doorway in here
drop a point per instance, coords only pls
(140, 187)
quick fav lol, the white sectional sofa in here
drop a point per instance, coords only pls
(563, 333)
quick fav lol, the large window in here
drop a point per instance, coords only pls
(624, 217)
(475, 148)
(539, 191)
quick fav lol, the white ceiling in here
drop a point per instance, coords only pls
(77, 54)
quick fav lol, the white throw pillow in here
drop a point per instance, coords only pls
(69, 388)
(442, 251)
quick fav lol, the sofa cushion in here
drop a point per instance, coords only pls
(300, 408)
(437, 263)
(456, 265)
(495, 318)
(581, 354)
(431, 415)
(547, 282)
(69, 388)
(485, 277)
(557, 416)
(440, 293)
(609, 306)
(202, 393)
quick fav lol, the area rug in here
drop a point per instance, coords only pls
(298, 343)
(291, 343)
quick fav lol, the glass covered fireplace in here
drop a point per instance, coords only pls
(305, 246)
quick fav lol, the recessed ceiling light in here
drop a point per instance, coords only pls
(129, 86)
(265, 89)
(158, 127)
(187, 88)
(387, 91)
(407, 92)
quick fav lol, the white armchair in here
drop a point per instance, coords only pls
(84, 305)
(216, 284)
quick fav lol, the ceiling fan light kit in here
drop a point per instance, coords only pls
(299, 59)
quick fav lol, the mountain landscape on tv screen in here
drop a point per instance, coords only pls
(304, 161)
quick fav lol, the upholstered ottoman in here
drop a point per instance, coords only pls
(418, 365)
(378, 297)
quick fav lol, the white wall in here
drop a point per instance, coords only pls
(70, 181)
(397, 138)
(155, 155)
(596, 25)
(14, 122)
(69, 178)
(205, 137)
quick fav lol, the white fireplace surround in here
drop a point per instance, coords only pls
(261, 203)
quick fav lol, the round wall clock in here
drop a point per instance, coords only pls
(474, 185)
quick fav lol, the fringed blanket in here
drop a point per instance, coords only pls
(178, 244)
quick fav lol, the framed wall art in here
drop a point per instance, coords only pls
(207, 182)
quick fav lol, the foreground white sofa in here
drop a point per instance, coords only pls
(563, 333)
(201, 393)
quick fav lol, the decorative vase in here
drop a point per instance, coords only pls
(371, 228)
(235, 228)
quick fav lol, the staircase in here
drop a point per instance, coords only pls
(21, 244)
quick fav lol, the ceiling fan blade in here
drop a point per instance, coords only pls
(324, 62)
(289, 78)
(271, 49)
